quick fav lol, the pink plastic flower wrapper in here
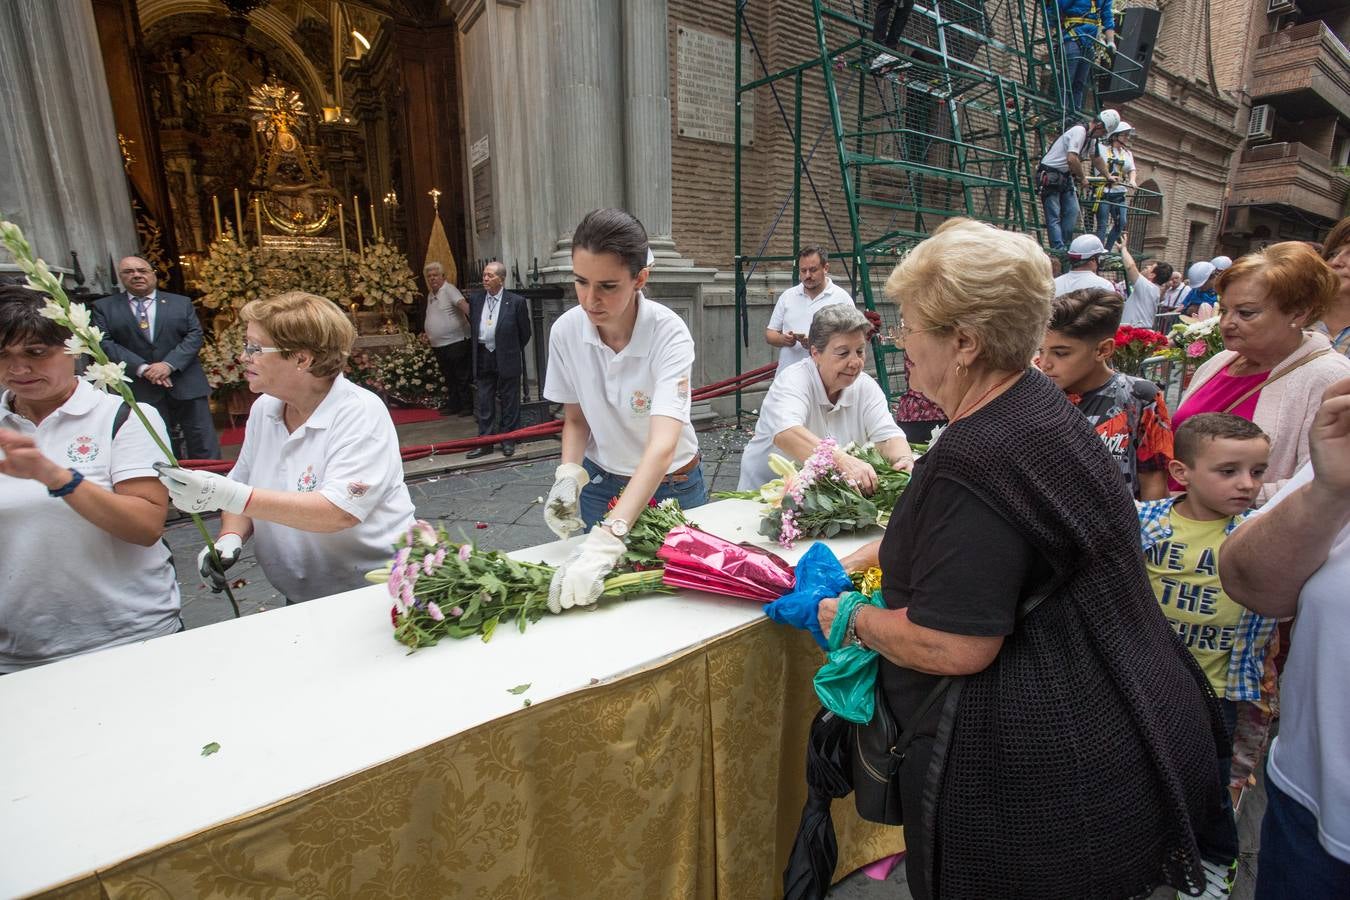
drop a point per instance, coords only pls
(704, 562)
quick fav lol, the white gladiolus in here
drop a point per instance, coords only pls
(106, 375)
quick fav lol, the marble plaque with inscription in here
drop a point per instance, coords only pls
(705, 71)
(481, 181)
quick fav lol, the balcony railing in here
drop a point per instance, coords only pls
(1289, 175)
(1304, 71)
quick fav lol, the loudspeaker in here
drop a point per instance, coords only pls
(1135, 37)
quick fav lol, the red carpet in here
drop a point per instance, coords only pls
(231, 437)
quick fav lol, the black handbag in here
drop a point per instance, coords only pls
(878, 747)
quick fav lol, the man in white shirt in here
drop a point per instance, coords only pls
(1292, 558)
(446, 329)
(790, 322)
(1083, 256)
(1141, 306)
(1061, 172)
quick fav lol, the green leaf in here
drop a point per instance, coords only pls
(488, 627)
(519, 689)
(208, 749)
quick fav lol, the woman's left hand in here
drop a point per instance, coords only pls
(904, 463)
(825, 613)
(23, 459)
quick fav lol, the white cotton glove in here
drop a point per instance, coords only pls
(562, 509)
(580, 580)
(228, 546)
(202, 492)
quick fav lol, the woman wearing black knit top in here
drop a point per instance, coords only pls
(1077, 755)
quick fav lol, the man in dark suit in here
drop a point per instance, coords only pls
(158, 336)
(501, 328)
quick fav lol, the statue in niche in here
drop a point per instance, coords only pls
(225, 94)
(296, 198)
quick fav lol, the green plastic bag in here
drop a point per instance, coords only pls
(846, 684)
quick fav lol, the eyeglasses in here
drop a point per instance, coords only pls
(252, 350)
(903, 332)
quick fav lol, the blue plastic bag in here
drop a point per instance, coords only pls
(846, 684)
(819, 575)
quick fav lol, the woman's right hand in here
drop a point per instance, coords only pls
(857, 471)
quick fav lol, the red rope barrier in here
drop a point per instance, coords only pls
(532, 432)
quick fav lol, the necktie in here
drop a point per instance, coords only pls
(142, 317)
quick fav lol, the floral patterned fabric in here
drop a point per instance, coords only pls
(683, 780)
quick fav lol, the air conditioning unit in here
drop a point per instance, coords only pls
(1280, 7)
(1261, 126)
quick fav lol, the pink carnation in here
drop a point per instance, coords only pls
(435, 612)
(465, 551)
(1196, 349)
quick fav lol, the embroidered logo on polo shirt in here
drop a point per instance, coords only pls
(640, 403)
(357, 489)
(82, 450)
(308, 481)
(682, 388)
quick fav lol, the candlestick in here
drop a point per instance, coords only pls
(342, 234)
(215, 202)
(374, 226)
(360, 238)
(257, 218)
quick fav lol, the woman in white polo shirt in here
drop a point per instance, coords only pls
(319, 481)
(620, 364)
(82, 566)
(828, 395)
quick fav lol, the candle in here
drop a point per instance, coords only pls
(215, 202)
(342, 234)
(374, 226)
(257, 217)
(238, 216)
(360, 238)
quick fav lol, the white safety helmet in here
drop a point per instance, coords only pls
(1122, 128)
(1085, 246)
(1110, 120)
(1220, 263)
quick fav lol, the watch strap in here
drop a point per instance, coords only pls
(69, 487)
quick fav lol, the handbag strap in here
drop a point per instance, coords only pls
(1024, 609)
(1276, 377)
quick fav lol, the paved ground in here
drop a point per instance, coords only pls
(497, 503)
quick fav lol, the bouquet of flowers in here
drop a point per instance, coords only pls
(1195, 339)
(230, 275)
(443, 588)
(220, 360)
(820, 500)
(408, 375)
(702, 561)
(1134, 345)
(383, 278)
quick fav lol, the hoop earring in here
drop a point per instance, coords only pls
(962, 370)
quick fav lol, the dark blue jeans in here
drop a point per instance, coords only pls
(605, 486)
(1111, 212)
(1292, 864)
(1078, 66)
(1061, 215)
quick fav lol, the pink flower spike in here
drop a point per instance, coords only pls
(456, 612)
(465, 551)
(435, 612)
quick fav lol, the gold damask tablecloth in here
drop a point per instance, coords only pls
(681, 780)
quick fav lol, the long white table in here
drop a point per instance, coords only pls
(101, 755)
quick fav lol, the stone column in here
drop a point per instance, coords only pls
(646, 136)
(61, 175)
(586, 121)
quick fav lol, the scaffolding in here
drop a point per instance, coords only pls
(954, 123)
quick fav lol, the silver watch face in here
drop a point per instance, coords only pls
(618, 527)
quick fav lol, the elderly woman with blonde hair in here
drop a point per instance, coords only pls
(1019, 630)
(318, 485)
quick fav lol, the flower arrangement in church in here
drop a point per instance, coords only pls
(407, 375)
(220, 359)
(294, 270)
(383, 278)
(230, 275)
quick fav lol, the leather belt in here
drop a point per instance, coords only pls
(681, 474)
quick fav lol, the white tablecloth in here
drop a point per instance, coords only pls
(100, 756)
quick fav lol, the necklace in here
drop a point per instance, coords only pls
(976, 405)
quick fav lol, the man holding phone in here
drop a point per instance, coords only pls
(797, 306)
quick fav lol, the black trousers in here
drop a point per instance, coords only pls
(453, 360)
(498, 397)
(887, 29)
(193, 417)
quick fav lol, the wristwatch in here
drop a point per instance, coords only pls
(617, 527)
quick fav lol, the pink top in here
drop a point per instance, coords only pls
(1216, 394)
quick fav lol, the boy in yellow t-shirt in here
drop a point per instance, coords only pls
(1220, 460)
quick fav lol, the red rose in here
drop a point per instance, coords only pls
(393, 615)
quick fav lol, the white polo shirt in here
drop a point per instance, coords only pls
(620, 392)
(1142, 305)
(348, 452)
(794, 312)
(1076, 281)
(66, 585)
(797, 397)
(444, 323)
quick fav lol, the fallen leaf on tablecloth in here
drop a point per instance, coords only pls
(208, 749)
(519, 689)
(527, 702)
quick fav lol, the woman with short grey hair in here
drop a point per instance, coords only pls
(828, 395)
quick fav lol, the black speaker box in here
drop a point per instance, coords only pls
(1136, 34)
